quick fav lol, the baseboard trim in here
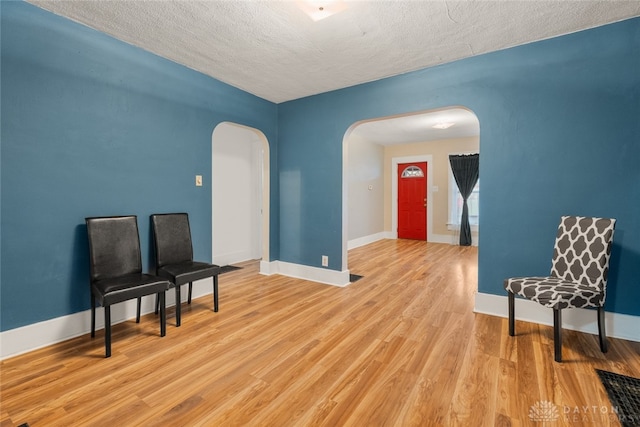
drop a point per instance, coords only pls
(233, 258)
(442, 238)
(618, 325)
(42, 334)
(267, 268)
(305, 272)
(449, 239)
(38, 335)
(361, 241)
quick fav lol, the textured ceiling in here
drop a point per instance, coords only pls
(273, 50)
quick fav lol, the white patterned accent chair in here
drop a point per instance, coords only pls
(578, 276)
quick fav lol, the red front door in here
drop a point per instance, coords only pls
(412, 201)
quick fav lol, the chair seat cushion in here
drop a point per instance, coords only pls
(188, 271)
(113, 290)
(554, 292)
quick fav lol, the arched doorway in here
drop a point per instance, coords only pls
(240, 194)
(403, 138)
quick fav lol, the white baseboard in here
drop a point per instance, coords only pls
(442, 238)
(37, 335)
(305, 272)
(233, 258)
(32, 337)
(361, 241)
(578, 319)
(451, 239)
(268, 267)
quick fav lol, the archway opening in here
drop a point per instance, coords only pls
(240, 194)
(372, 151)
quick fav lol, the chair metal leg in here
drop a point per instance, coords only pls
(163, 314)
(178, 303)
(512, 321)
(557, 334)
(190, 289)
(93, 316)
(215, 293)
(602, 330)
(138, 310)
(157, 303)
(107, 330)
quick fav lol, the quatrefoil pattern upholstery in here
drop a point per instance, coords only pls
(579, 269)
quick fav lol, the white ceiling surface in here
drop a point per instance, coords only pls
(275, 51)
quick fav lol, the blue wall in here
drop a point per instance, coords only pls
(559, 134)
(92, 126)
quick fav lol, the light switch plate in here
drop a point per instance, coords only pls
(198, 180)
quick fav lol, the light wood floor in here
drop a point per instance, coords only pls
(400, 347)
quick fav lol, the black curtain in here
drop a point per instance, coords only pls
(465, 171)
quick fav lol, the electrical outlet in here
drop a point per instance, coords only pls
(325, 261)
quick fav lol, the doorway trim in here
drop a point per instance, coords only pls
(395, 161)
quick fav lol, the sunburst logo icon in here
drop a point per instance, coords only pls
(544, 411)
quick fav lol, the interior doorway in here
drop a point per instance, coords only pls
(240, 194)
(373, 149)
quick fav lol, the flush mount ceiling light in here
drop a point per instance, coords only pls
(320, 9)
(443, 125)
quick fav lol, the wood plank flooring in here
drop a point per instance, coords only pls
(399, 347)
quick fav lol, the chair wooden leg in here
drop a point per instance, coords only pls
(512, 321)
(178, 303)
(107, 330)
(215, 293)
(602, 330)
(163, 314)
(557, 334)
(138, 310)
(190, 289)
(93, 316)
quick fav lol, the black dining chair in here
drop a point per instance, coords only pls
(578, 277)
(174, 256)
(116, 270)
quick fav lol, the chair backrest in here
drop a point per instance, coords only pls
(582, 250)
(172, 238)
(114, 246)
